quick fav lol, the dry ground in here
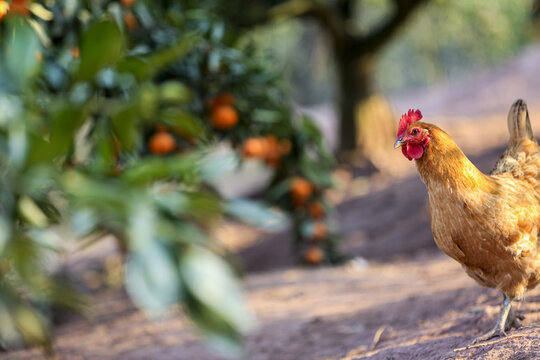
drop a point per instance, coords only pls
(426, 308)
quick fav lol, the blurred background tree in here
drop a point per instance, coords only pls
(353, 42)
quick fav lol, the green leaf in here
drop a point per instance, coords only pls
(184, 124)
(212, 284)
(175, 92)
(267, 116)
(160, 59)
(65, 121)
(145, 67)
(32, 213)
(219, 162)
(136, 65)
(153, 169)
(124, 124)
(257, 214)
(152, 279)
(5, 232)
(23, 50)
(32, 325)
(101, 45)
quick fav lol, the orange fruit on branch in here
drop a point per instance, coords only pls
(128, 3)
(221, 99)
(4, 7)
(19, 7)
(319, 230)
(255, 147)
(285, 147)
(301, 190)
(224, 117)
(161, 143)
(313, 255)
(316, 210)
(75, 52)
(130, 20)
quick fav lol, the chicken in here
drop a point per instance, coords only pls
(487, 223)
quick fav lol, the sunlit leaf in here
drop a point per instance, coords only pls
(175, 92)
(32, 213)
(31, 325)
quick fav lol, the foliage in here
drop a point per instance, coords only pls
(109, 124)
(452, 38)
(445, 39)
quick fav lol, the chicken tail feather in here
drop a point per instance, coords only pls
(519, 125)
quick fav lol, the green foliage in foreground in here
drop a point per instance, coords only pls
(83, 86)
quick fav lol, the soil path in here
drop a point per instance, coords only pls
(426, 308)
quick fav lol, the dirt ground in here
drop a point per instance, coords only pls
(422, 308)
(400, 298)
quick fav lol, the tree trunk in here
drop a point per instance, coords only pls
(354, 86)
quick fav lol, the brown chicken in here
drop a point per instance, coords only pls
(487, 223)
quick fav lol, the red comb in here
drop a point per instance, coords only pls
(407, 119)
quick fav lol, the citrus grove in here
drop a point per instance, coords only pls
(111, 116)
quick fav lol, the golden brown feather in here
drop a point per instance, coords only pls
(488, 223)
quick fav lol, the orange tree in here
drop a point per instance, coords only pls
(110, 116)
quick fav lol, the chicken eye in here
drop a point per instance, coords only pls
(415, 131)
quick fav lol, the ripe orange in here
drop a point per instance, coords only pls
(75, 52)
(161, 127)
(301, 190)
(319, 230)
(224, 117)
(19, 7)
(130, 20)
(221, 99)
(128, 3)
(316, 210)
(255, 147)
(313, 255)
(273, 158)
(161, 143)
(4, 7)
(285, 147)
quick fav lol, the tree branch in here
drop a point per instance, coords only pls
(316, 10)
(379, 37)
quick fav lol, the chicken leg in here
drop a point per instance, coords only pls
(507, 320)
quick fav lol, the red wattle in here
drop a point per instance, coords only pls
(404, 151)
(412, 151)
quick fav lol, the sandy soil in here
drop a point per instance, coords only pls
(422, 308)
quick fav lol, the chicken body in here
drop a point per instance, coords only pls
(488, 223)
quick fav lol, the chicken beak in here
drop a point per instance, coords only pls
(399, 143)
